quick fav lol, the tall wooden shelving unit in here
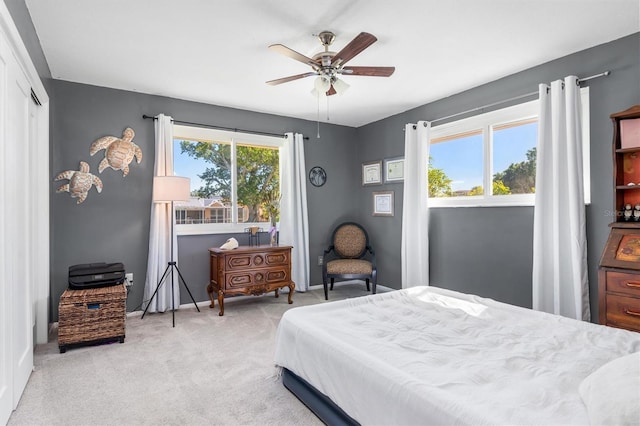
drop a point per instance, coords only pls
(619, 274)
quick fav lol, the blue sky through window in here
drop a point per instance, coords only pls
(510, 145)
(186, 166)
(462, 159)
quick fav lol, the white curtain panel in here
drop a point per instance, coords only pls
(560, 281)
(294, 222)
(415, 211)
(160, 229)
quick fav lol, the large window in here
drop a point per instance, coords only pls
(235, 180)
(490, 159)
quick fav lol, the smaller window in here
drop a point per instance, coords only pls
(490, 159)
(475, 153)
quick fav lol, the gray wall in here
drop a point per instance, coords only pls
(114, 226)
(488, 251)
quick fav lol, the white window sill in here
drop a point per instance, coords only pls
(223, 228)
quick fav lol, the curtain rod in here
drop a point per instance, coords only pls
(211, 126)
(515, 98)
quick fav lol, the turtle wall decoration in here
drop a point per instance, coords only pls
(80, 182)
(119, 152)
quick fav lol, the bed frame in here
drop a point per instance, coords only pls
(317, 402)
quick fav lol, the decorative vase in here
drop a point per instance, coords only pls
(273, 231)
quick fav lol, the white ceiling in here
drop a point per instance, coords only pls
(215, 51)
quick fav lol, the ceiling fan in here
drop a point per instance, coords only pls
(329, 65)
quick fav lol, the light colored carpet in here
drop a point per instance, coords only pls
(208, 370)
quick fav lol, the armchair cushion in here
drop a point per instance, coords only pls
(350, 241)
(349, 266)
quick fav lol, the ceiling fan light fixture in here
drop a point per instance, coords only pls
(327, 65)
(340, 86)
(322, 84)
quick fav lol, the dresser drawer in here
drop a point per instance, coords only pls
(623, 312)
(246, 261)
(248, 278)
(620, 282)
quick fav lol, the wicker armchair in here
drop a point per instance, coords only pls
(349, 257)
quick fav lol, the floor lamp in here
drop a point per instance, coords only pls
(170, 189)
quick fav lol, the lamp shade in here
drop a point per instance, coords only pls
(340, 86)
(322, 84)
(171, 188)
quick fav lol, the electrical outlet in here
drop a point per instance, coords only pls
(128, 279)
(320, 260)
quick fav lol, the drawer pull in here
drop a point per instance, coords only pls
(635, 284)
(633, 313)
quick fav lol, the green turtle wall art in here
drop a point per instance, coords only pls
(80, 182)
(119, 152)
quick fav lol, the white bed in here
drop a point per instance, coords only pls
(426, 355)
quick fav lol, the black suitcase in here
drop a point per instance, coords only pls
(95, 275)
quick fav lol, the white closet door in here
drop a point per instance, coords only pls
(24, 214)
(16, 304)
(17, 229)
(6, 363)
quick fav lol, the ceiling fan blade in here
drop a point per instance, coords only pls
(369, 71)
(357, 45)
(290, 78)
(280, 48)
(331, 91)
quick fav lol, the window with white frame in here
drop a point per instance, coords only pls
(235, 180)
(490, 159)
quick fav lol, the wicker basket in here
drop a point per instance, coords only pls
(91, 316)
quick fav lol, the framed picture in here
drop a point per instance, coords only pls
(383, 203)
(394, 170)
(317, 176)
(372, 173)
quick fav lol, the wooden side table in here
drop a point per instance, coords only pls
(249, 270)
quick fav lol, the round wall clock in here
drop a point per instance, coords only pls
(317, 176)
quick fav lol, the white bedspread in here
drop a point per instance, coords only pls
(431, 356)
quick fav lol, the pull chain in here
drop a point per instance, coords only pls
(318, 116)
(327, 97)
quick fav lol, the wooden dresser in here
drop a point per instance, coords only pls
(619, 280)
(619, 274)
(249, 270)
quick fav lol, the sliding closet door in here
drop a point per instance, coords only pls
(16, 267)
(17, 231)
(6, 375)
(25, 183)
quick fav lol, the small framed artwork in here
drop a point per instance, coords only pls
(317, 176)
(383, 203)
(372, 173)
(394, 170)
